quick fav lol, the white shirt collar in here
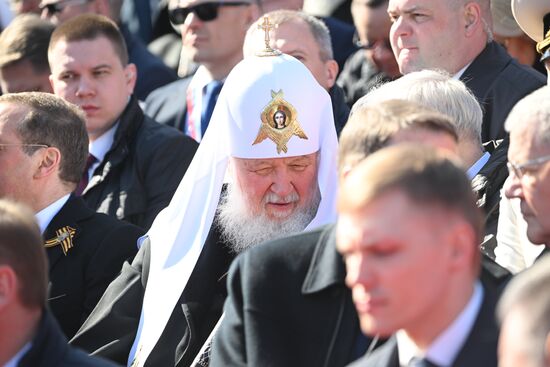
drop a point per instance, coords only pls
(461, 71)
(477, 166)
(45, 216)
(445, 348)
(14, 362)
(99, 147)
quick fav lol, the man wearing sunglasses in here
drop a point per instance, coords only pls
(152, 73)
(529, 158)
(212, 33)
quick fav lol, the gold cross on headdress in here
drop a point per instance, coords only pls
(266, 26)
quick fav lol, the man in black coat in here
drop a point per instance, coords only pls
(29, 335)
(408, 231)
(43, 163)
(456, 37)
(135, 164)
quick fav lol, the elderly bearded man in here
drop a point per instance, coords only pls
(280, 181)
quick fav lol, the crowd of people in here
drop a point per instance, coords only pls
(243, 183)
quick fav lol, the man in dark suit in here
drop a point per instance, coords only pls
(135, 164)
(29, 335)
(456, 36)
(408, 231)
(215, 43)
(41, 164)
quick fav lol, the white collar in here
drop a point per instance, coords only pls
(45, 216)
(461, 71)
(477, 166)
(446, 345)
(99, 147)
(14, 362)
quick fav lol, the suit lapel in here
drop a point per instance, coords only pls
(70, 214)
(326, 275)
(480, 349)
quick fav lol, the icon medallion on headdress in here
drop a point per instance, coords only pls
(279, 122)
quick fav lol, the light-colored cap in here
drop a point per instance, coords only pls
(504, 23)
(530, 16)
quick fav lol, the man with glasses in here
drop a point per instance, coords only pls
(43, 148)
(152, 73)
(529, 157)
(212, 33)
(374, 62)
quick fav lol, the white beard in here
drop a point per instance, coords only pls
(241, 228)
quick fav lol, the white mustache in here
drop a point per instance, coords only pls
(272, 198)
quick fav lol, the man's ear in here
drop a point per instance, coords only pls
(331, 71)
(48, 163)
(8, 286)
(472, 18)
(130, 73)
(102, 7)
(462, 237)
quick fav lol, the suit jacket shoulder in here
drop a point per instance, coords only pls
(49, 348)
(288, 306)
(498, 82)
(168, 105)
(80, 274)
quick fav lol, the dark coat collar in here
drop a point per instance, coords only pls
(327, 267)
(485, 68)
(49, 346)
(340, 109)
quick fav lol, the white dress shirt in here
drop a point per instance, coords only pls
(45, 216)
(99, 147)
(16, 358)
(446, 346)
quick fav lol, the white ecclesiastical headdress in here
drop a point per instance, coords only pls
(241, 126)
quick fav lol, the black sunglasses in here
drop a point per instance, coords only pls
(205, 11)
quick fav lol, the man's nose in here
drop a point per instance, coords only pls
(512, 187)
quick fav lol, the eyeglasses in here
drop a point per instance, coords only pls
(58, 7)
(23, 145)
(204, 11)
(519, 170)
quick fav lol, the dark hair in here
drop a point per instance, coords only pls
(52, 121)
(26, 38)
(21, 248)
(88, 27)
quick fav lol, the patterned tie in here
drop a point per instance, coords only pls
(211, 93)
(85, 176)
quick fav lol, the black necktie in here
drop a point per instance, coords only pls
(421, 362)
(85, 177)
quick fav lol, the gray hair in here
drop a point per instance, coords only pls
(436, 90)
(532, 111)
(318, 29)
(528, 293)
